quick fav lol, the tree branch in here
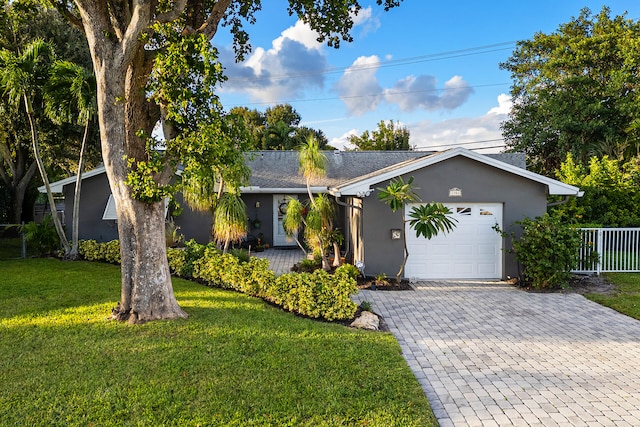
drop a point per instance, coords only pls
(63, 9)
(210, 26)
(175, 12)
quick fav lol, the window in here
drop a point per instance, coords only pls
(463, 211)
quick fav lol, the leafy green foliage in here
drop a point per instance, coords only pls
(386, 137)
(43, 235)
(548, 251)
(611, 193)
(398, 193)
(230, 219)
(104, 252)
(575, 90)
(316, 294)
(430, 219)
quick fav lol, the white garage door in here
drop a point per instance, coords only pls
(473, 250)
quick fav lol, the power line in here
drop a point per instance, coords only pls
(294, 101)
(389, 63)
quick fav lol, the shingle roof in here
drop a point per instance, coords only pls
(279, 169)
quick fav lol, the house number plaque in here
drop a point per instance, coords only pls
(455, 192)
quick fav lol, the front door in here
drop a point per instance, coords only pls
(280, 238)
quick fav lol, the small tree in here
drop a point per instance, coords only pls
(547, 249)
(70, 96)
(427, 220)
(22, 79)
(318, 221)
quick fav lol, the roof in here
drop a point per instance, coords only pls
(363, 184)
(354, 172)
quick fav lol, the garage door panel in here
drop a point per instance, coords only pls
(473, 250)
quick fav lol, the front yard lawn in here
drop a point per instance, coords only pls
(236, 361)
(626, 299)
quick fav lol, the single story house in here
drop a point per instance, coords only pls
(481, 190)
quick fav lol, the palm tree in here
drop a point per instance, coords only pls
(229, 220)
(427, 220)
(319, 218)
(22, 79)
(70, 96)
(313, 163)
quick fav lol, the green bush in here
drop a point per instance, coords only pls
(317, 295)
(43, 236)
(91, 250)
(181, 259)
(548, 251)
(350, 269)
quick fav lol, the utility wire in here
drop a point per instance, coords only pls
(296, 101)
(479, 50)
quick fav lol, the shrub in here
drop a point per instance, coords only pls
(548, 251)
(91, 250)
(241, 254)
(181, 260)
(349, 269)
(43, 236)
(317, 295)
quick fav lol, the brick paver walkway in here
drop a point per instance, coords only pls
(281, 260)
(493, 355)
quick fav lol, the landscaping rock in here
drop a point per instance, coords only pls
(367, 320)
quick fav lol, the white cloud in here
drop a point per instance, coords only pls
(294, 63)
(300, 32)
(366, 21)
(504, 105)
(468, 132)
(342, 142)
(358, 87)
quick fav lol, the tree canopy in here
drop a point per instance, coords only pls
(278, 128)
(388, 136)
(576, 90)
(22, 22)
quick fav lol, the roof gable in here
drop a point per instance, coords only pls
(363, 185)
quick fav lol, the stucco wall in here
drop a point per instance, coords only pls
(93, 200)
(479, 184)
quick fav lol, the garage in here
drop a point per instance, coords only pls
(473, 250)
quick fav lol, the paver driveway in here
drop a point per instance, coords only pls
(488, 354)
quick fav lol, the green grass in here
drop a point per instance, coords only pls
(626, 300)
(235, 361)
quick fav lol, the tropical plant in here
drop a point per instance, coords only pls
(42, 235)
(317, 217)
(23, 78)
(229, 220)
(70, 96)
(427, 220)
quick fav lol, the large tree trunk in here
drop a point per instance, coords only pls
(147, 293)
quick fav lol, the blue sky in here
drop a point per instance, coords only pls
(431, 66)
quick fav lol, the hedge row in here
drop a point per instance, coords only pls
(317, 295)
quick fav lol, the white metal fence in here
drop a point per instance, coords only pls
(609, 250)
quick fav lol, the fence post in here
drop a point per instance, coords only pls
(24, 242)
(600, 251)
